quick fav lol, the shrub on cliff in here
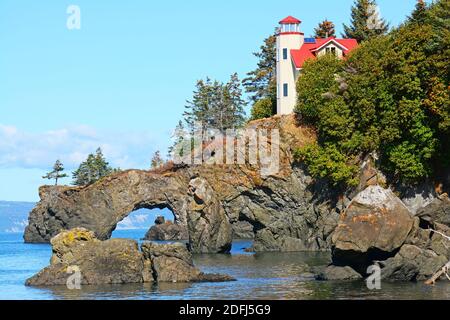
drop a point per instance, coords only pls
(262, 109)
(391, 96)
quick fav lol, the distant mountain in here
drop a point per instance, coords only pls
(14, 215)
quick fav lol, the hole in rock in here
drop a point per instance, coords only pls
(138, 224)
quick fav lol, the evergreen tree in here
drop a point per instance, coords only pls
(365, 21)
(178, 137)
(198, 110)
(232, 109)
(420, 12)
(261, 82)
(215, 105)
(93, 169)
(157, 161)
(56, 174)
(324, 30)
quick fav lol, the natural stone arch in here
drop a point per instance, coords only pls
(101, 206)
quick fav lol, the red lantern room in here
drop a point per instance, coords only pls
(289, 25)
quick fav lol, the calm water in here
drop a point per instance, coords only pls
(260, 276)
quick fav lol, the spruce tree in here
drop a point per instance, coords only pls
(92, 169)
(178, 136)
(325, 29)
(262, 83)
(419, 13)
(365, 21)
(215, 105)
(157, 161)
(56, 174)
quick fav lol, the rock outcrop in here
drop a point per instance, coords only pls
(166, 231)
(335, 273)
(78, 252)
(173, 263)
(374, 226)
(377, 228)
(242, 230)
(288, 210)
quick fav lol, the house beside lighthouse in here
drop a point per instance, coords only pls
(293, 49)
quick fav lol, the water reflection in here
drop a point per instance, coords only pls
(260, 276)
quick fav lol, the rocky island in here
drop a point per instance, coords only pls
(288, 212)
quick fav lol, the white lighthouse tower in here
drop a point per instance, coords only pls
(289, 37)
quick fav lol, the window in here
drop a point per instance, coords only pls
(333, 51)
(285, 54)
(285, 90)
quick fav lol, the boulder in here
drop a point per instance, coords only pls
(374, 226)
(412, 263)
(167, 231)
(160, 220)
(116, 261)
(437, 212)
(335, 273)
(173, 263)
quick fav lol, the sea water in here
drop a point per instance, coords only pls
(259, 276)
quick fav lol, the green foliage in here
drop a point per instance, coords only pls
(216, 105)
(365, 21)
(318, 76)
(157, 161)
(262, 83)
(56, 173)
(263, 108)
(93, 169)
(325, 29)
(420, 12)
(390, 97)
(328, 162)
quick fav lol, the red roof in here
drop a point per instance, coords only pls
(290, 20)
(307, 51)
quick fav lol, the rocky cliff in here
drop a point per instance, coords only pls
(288, 211)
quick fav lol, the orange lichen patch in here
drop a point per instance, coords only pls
(369, 218)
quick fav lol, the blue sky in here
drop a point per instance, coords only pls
(121, 81)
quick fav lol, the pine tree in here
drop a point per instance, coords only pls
(262, 83)
(178, 136)
(215, 105)
(325, 29)
(157, 161)
(93, 169)
(419, 13)
(198, 110)
(232, 106)
(56, 173)
(366, 22)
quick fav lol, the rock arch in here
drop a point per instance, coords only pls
(101, 206)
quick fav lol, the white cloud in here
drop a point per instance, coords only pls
(22, 149)
(134, 222)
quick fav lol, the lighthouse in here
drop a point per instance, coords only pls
(289, 38)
